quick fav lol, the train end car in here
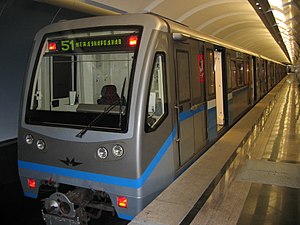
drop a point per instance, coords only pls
(88, 141)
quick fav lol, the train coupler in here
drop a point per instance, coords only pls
(76, 207)
(67, 209)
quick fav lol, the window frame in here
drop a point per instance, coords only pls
(162, 118)
(37, 117)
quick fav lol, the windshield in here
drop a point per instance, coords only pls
(80, 75)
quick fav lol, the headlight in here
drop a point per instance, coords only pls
(29, 139)
(118, 150)
(40, 144)
(102, 153)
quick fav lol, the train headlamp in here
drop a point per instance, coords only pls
(118, 150)
(102, 153)
(40, 144)
(29, 139)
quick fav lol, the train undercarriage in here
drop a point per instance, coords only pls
(76, 206)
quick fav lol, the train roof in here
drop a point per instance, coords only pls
(176, 27)
(149, 20)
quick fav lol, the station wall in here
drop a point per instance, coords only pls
(19, 22)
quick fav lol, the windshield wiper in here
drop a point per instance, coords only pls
(105, 112)
(122, 101)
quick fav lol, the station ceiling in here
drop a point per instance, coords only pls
(249, 24)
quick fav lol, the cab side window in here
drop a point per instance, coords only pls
(157, 109)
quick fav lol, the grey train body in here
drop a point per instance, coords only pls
(119, 157)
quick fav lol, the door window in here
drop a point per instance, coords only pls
(210, 71)
(183, 71)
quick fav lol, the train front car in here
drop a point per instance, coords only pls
(94, 100)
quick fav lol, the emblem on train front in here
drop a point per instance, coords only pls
(71, 162)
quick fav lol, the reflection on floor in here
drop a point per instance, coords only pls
(274, 196)
(270, 204)
(262, 185)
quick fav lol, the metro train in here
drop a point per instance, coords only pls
(115, 108)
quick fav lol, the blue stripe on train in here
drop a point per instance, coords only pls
(132, 183)
(126, 182)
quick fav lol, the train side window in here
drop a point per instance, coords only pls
(263, 71)
(157, 96)
(197, 73)
(247, 73)
(229, 81)
(233, 74)
(210, 71)
(240, 73)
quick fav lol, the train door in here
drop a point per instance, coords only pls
(251, 80)
(210, 92)
(219, 89)
(247, 77)
(263, 77)
(229, 71)
(257, 90)
(185, 126)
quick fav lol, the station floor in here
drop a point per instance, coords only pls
(260, 185)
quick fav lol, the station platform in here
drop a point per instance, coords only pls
(249, 176)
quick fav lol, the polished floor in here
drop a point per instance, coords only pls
(271, 204)
(262, 185)
(274, 196)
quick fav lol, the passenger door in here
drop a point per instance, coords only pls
(185, 126)
(219, 89)
(210, 92)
